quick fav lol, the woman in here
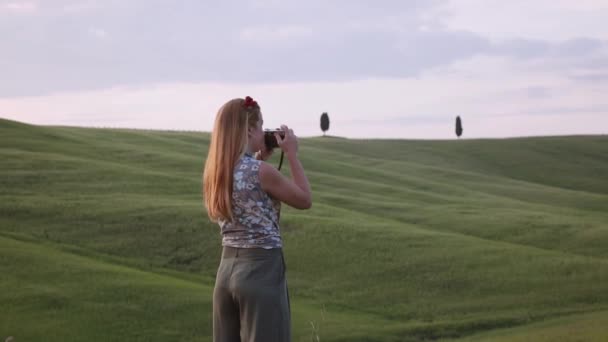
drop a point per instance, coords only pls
(243, 194)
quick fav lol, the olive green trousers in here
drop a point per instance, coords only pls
(250, 298)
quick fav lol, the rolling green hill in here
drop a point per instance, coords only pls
(103, 237)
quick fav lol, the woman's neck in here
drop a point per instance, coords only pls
(249, 150)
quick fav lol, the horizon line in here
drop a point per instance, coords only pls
(317, 136)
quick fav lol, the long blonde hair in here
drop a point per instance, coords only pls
(228, 142)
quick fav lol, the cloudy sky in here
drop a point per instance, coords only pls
(380, 68)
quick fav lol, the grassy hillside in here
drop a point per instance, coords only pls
(407, 240)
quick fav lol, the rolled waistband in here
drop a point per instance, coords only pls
(234, 252)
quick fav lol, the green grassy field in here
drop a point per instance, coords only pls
(103, 237)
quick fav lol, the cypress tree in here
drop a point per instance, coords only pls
(458, 126)
(324, 122)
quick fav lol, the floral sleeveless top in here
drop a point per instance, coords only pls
(256, 214)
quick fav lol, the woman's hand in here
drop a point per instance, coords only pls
(289, 144)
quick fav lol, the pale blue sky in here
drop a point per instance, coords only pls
(399, 69)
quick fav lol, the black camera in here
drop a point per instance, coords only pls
(270, 140)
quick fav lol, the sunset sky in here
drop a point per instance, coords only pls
(382, 69)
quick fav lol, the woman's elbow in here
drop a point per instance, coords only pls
(304, 203)
(307, 203)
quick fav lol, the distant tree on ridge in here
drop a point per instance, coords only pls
(458, 126)
(324, 122)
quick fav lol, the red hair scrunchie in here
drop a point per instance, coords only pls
(249, 102)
